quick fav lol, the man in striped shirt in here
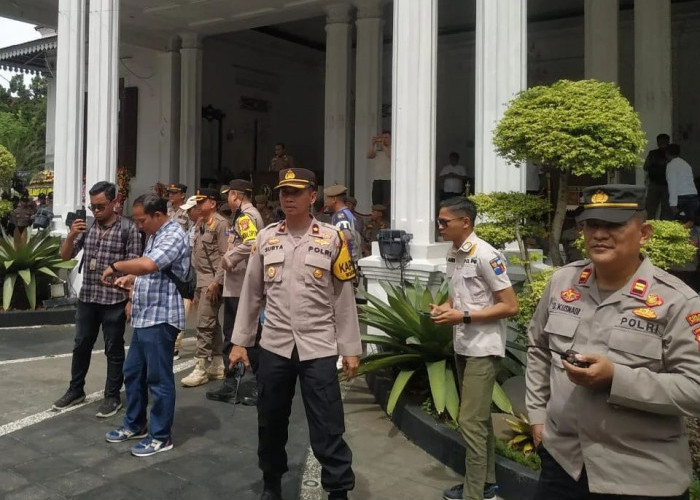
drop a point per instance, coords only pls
(157, 315)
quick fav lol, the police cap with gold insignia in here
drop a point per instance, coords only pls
(335, 190)
(615, 203)
(298, 178)
(177, 188)
(241, 185)
(207, 193)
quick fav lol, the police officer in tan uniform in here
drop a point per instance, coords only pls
(210, 245)
(304, 269)
(261, 204)
(241, 236)
(176, 196)
(372, 228)
(281, 160)
(614, 429)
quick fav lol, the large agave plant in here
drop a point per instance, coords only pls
(39, 254)
(412, 343)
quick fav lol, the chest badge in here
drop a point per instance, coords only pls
(653, 300)
(584, 276)
(273, 241)
(645, 312)
(570, 295)
(271, 272)
(639, 288)
(318, 274)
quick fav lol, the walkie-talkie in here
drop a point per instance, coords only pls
(569, 356)
(238, 372)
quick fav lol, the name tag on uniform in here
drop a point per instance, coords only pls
(92, 265)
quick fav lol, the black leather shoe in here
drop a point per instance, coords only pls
(338, 495)
(225, 393)
(250, 396)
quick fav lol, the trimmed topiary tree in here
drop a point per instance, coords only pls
(8, 165)
(585, 127)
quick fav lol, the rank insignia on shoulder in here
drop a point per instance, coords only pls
(570, 295)
(639, 288)
(467, 246)
(318, 274)
(654, 300)
(271, 272)
(645, 312)
(693, 318)
(584, 276)
(497, 266)
(315, 229)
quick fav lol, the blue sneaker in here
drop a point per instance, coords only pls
(123, 434)
(150, 446)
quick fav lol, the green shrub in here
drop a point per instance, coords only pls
(8, 165)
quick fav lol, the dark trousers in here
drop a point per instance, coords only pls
(149, 367)
(688, 204)
(89, 317)
(657, 196)
(381, 192)
(320, 391)
(230, 308)
(556, 484)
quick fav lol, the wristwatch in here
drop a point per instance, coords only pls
(467, 317)
(113, 268)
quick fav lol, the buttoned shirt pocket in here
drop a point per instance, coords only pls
(560, 332)
(274, 265)
(635, 349)
(317, 270)
(474, 288)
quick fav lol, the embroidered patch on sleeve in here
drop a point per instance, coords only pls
(497, 266)
(693, 318)
(247, 228)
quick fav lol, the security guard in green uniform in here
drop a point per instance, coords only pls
(610, 424)
(303, 269)
(210, 245)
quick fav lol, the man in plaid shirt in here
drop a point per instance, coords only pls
(157, 315)
(99, 305)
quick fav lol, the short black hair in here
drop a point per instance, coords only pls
(454, 154)
(108, 188)
(663, 136)
(459, 205)
(151, 204)
(386, 131)
(281, 144)
(673, 149)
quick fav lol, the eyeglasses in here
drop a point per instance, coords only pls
(97, 206)
(445, 222)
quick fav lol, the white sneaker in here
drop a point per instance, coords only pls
(216, 369)
(199, 375)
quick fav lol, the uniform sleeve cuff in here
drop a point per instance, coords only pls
(537, 416)
(351, 349)
(243, 341)
(622, 380)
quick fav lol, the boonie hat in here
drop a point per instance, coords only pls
(191, 202)
(177, 188)
(335, 190)
(298, 178)
(241, 185)
(615, 203)
(207, 193)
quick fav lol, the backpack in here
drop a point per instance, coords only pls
(43, 218)
(126, 229)
(186, 287)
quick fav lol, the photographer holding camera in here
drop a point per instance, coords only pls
(108, 239)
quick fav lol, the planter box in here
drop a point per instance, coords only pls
(515, 481)
(57, 316)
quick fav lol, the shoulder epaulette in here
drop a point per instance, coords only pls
(675, 283)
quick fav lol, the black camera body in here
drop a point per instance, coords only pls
(71, 217)
(393, 244)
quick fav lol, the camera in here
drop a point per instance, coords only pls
(71, 217)
(393, 244)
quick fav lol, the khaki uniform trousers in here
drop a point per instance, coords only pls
(476, 379)
(210, 339)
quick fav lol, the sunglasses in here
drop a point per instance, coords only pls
(97, 206)
(445, 222)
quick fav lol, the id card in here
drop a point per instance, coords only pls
(92, 265)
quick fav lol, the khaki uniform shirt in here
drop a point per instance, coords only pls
(241, 237)
(210, 244)
(476, 270)
(309, 290)
(281, 162)
(180, 216)
(631, 437)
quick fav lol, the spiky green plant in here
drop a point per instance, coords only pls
(39, 254)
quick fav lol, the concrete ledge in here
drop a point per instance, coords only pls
(515, 481)
(57, 316)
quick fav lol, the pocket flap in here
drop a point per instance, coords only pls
(318, 261)
(638, 343)
(559, 324)
(274, 258)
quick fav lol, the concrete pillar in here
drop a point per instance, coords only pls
(70, 106)
(337, 107)
(169, 64)
(190, 110)
(652, 70)
(601, 33)
(50, 121)
(501, 72)
(103, 92)
(368, 93)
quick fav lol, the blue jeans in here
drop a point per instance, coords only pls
(149, 366)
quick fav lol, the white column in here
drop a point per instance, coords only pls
(601, 26)
(70, 106)
(368, 93)
(501, 72)
(190, 110)
(103, 92)
(652, 69)
(169, 65)
(50, 121)
(338, 45)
